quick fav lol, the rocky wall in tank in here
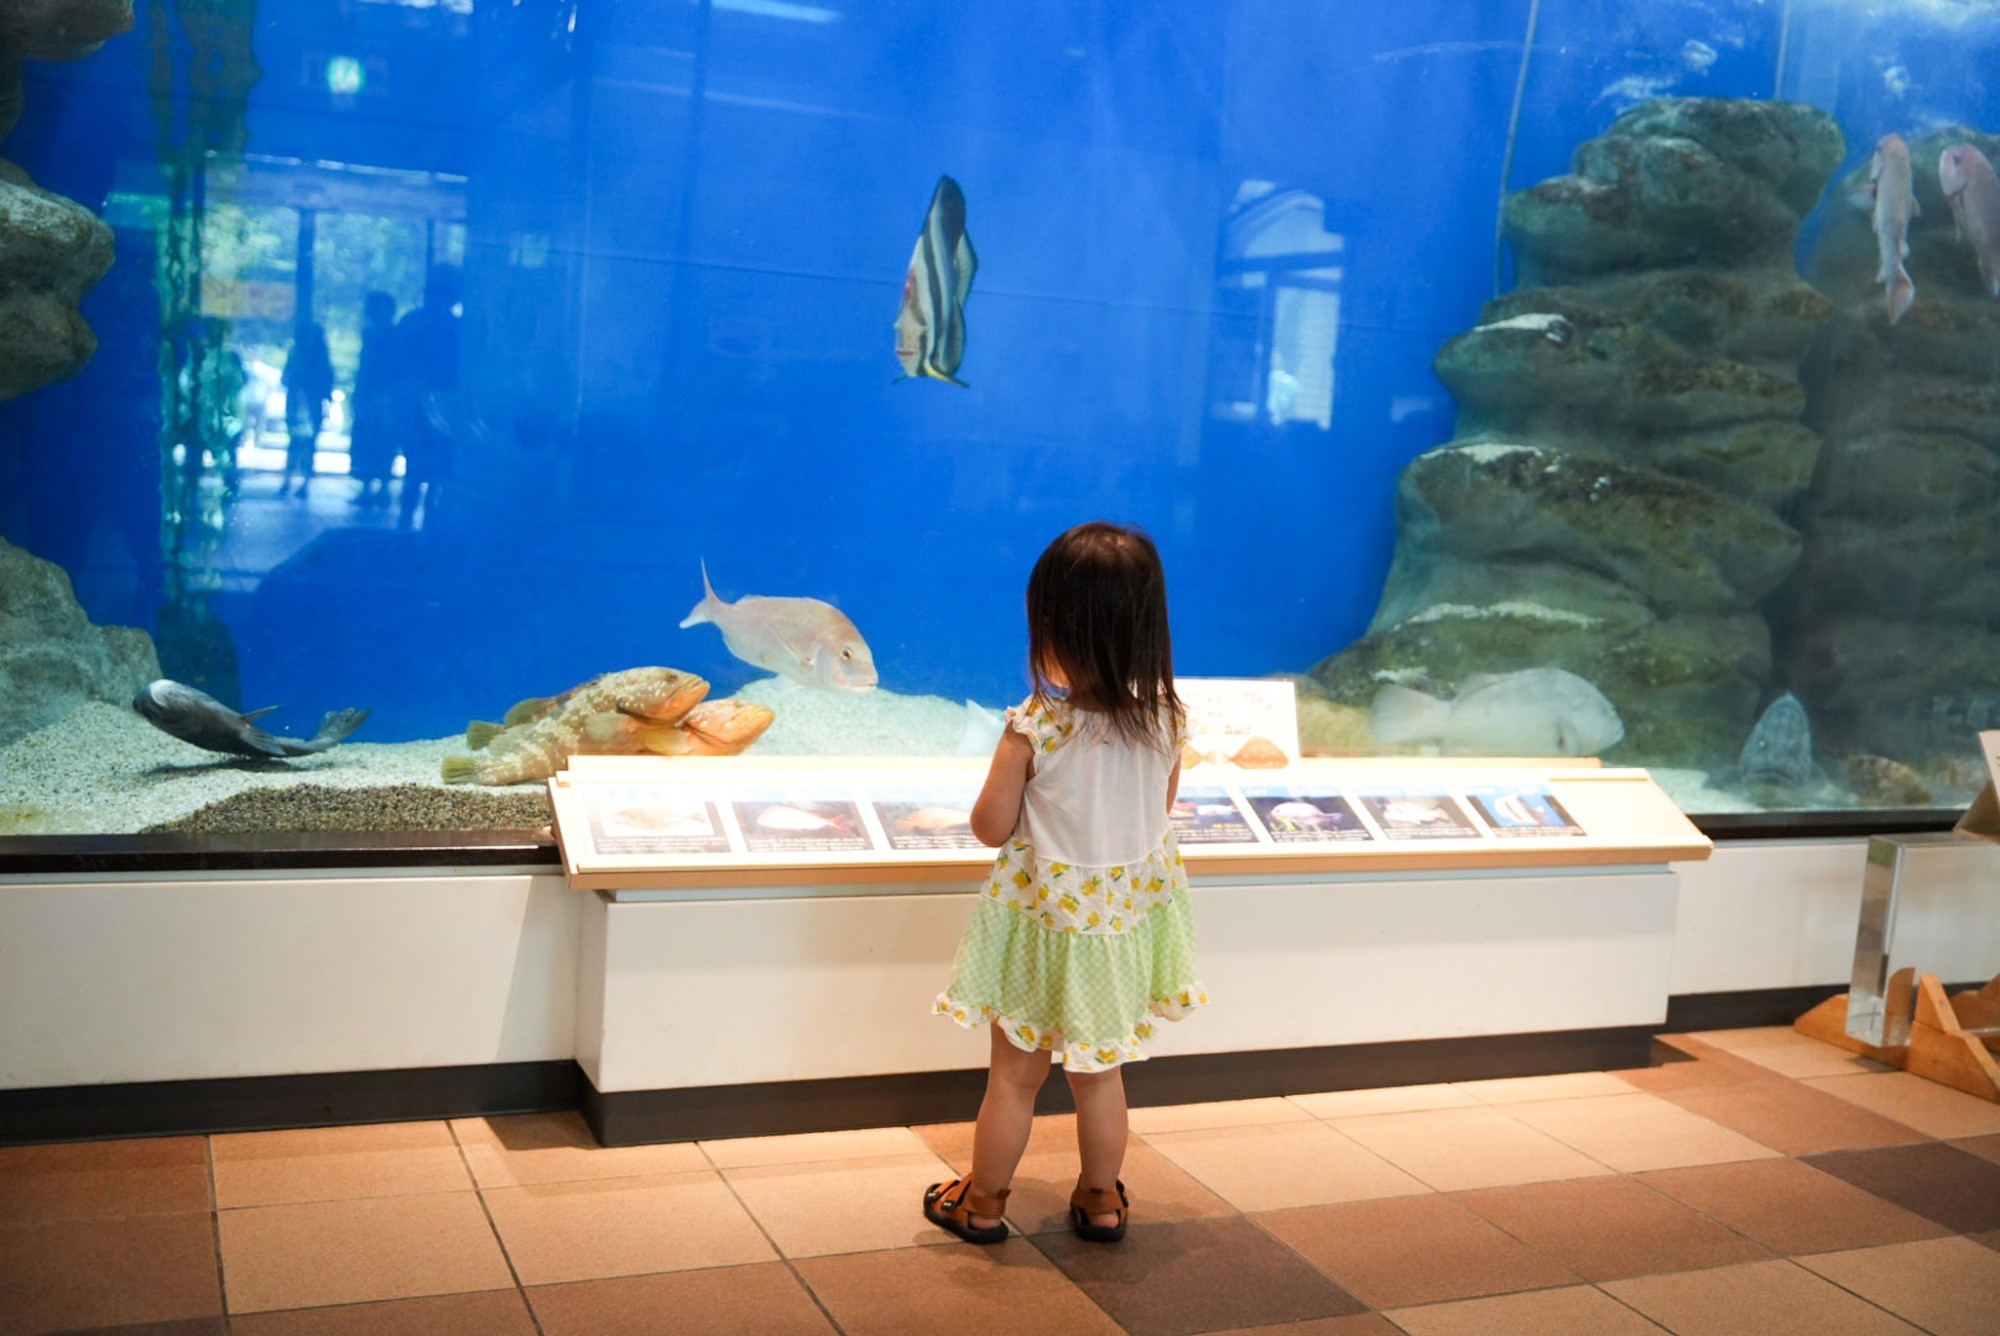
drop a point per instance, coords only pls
(1630, 437)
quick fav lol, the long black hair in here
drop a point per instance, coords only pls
(1097, 615)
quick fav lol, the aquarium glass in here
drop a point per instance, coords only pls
(1529, 377)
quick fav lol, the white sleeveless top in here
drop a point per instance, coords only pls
(1095, 797)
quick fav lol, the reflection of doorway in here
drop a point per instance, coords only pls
(1278, 294)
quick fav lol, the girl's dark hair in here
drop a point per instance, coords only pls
(1097, 614)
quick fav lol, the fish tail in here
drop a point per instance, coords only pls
(461, 770)
(1400, 714)
(336, 725)
(479, 732)
(703, 611)
(1900, 294)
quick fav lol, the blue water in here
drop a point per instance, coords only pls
(685, 228)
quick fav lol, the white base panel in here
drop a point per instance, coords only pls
(1769, 914)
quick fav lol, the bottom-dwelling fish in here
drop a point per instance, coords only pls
(712, 728)
(197, 717)
(542, 734)
(1776, 764)
(1966, 178)
(1535, 712)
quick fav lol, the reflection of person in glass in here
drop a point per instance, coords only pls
(373, 430)
(308, 382)
(427, 341)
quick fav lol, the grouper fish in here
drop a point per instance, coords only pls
(804, 639)
(600, 716)
(195, 716)
(930, 326)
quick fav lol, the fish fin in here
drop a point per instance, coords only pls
(1400, 714)
(704, 611)
(1916, 208)
(1477, 682)
(461, 770)
(254, 714)
(480, 732)
(1567, 741)
(335, 726)
(606, 729)
(1902, 292)
(668, 742)
(528, 711)
(1863, 197)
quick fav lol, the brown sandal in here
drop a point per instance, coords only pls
(1086, 1202)
(951, 1206)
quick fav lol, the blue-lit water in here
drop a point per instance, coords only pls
(679, 232)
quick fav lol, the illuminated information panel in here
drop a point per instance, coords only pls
(736, 821)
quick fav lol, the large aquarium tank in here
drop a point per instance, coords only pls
(480, 381)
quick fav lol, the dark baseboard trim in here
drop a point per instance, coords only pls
(1759, 1006)
(636, 1117)
(260, 1103)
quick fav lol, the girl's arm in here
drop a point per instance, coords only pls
(1173, 786)
(999, 807)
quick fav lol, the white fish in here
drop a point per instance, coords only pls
(1966, 177)
(801, 638)
(983, 728)
(1895, 205)
(797, 818)
(1513, 808)
(1535, 712)
(1405, 812)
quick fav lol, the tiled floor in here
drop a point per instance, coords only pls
(1771, 1184)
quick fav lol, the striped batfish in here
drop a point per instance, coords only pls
(930, 327)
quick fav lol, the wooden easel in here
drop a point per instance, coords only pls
(1939, 1049)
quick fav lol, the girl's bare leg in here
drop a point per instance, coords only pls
(1006, 1116)
(1100, 1129)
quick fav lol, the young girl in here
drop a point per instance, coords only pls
(1082, 935)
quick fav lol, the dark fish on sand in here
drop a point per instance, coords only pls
(930, 327)
(1776, 763)
(197, 717)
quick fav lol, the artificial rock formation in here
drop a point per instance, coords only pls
(52, 250)
(1893, 638)
(52, 659)
(1629, 435)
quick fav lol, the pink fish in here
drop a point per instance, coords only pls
(1894, 205)
(1967, 179)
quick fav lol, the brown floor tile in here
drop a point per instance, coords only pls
(336, 1163)
(1787, 1052)
(762, 1299)
(1759, 1299)
(1986, 1147)
(1936, 1110)
(809, 1147)
(310, 1254)
(1605, 1228)
(1580, 1311)
(557, 1232)
(1008, 1289)
(1711, 1067)
(1791, 1207)
(1636, 1132)
(77, 1274)
(480, 1313)
(1794, 1118)
(1458, 1149)
(1196, 1276)
(1052, 1134)
(1271, 1167)
(1991, 1238)
(842, 1205)
(1357, 1324)
(1958, 1190)
(530, 1148)
(1159, 1189)
(82, 1180)
(1947, 1286)
(189, 1326)
(1412, 1250)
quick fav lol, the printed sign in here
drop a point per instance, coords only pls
(927, 818)
(785, 823)
(1305, 816)
(1511, 813)
(1244, 723)
(1416, 815)
(1206, 814)
(643, 820)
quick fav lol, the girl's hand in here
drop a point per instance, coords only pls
(998, 810)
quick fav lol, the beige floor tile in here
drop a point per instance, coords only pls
(952, 1142)
(530, 1148)
(478, 1313)
(1227, 1113)
(763, 1299)
(1355, 1324)
(336, 1163)
(1756, 1299)
(1412, 1250)
(841, 1206)
(1786, 1051)
(587, 1230)
(1947, 1286)
(1008, 1289)
(1578, 1311)
(1791, 1207)
(1609, 1228)
(144, 1176)
(1268, 1168)
(1526, 1089)
(1456, 1149)
(1635, 1132)
(74, 1275)
(1986, 1147)
(341, 1252)
(1388, 1099)
(1932, 1109)
(1159, 1189)
(803, 1148)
